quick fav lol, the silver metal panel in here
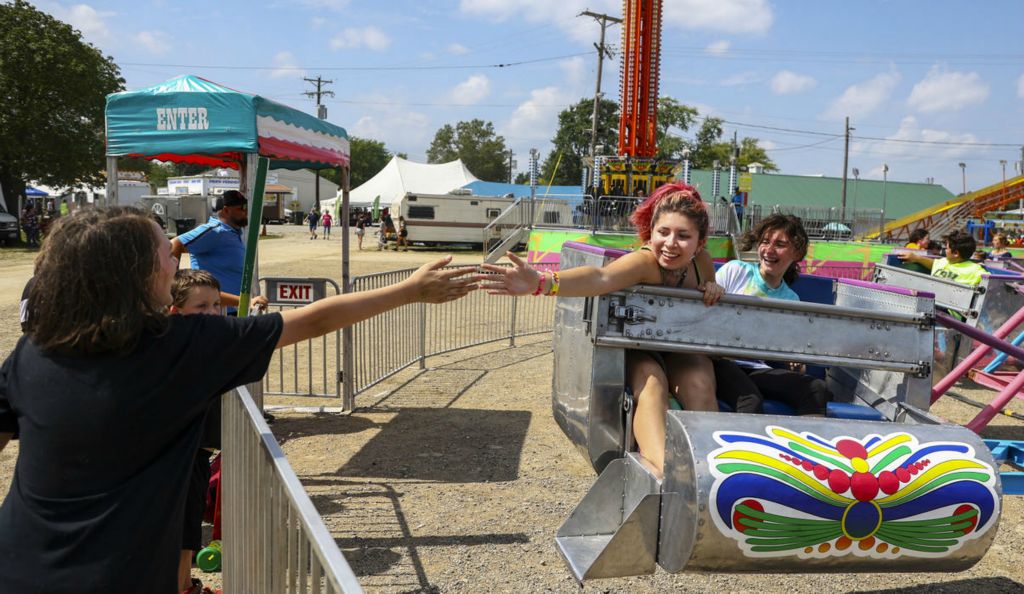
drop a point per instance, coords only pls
(874, 387)
(947, 293)
(614, 530)
(675, 320)
(588, 382)
(740, 494)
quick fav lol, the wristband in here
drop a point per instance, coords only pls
(553, 291)
(540, 284)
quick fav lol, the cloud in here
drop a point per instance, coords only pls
(400, 128)
(369, 37)
(457, 49)
(717, 48)
(947, 91)
(863, 98)
(91, 22)
(786, 82)
(741, 79)
(536, 119)
(316, 23)
(471, 91)
(576, 71)
(332, 5)
(285, 66)
(918, 147)
(729, 16)
(156, 42)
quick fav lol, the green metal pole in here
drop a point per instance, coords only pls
(255, 217)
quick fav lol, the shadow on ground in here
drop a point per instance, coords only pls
(449, 445)
(989, 585)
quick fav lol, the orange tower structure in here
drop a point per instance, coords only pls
(634, 171)
(641, 59)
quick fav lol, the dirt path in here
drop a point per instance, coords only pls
(456, 478)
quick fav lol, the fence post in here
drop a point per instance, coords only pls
(423, 335)
(348, 368)
(512, 324)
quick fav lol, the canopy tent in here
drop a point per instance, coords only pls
(400, 176)
(192, 120)
(31, 192)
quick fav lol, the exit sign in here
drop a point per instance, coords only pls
(295, 291)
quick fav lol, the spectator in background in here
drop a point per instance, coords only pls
(217, 246)
(737, 204)
(326, 221)
(918, 240)
(30, 224)
(360, 229)
(313, 218)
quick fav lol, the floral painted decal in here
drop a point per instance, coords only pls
(881, 496)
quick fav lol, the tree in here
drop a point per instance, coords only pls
(572, 140)
(708, 148)
(53, 89)
(367, 156)
(482, 151)
(673, 114)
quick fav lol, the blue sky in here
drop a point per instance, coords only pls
(912, 73)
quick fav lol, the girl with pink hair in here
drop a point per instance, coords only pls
(673, 224)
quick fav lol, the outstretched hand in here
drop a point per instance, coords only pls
(520, 279)
(433, 284)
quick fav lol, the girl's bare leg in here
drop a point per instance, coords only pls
(650, 386)
(692, 381)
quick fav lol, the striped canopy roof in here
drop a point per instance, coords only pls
(192, 120)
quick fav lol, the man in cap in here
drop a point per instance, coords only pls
(217, 247)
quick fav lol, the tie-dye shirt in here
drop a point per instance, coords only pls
(744, 278)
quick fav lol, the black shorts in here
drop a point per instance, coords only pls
(195, 502)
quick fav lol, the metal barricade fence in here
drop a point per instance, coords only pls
(394, 340)
(855, 270)
(308, 368)
(274, 540)
(823, 222)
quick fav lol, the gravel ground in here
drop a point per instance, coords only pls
(456, 478)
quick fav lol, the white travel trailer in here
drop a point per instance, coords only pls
(436, 219)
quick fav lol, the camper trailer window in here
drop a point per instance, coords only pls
(474, 203)
(551, 217)
(492, 213)
(421, 212)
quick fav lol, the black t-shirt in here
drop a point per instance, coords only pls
(107, 443)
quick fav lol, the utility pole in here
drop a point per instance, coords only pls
(846, 161)
(602, 53)
(511, 166)
(321, 112)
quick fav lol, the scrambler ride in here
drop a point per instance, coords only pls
(879, 485)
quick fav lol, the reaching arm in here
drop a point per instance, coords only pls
(583, 281)
(429, 284)
(916, 259)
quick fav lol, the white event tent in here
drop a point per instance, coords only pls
(400, 176)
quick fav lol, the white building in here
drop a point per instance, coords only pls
(302, 183)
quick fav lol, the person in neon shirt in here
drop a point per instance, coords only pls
(956, 266)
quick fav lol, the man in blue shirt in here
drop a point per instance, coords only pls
(737, 203)
(217, 246)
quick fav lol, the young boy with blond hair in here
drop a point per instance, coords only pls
(197, 292)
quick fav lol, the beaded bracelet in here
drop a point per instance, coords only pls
(554, 284)
(540, 284)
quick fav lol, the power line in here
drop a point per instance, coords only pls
(359, 68)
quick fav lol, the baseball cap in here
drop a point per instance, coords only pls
(230, 198)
